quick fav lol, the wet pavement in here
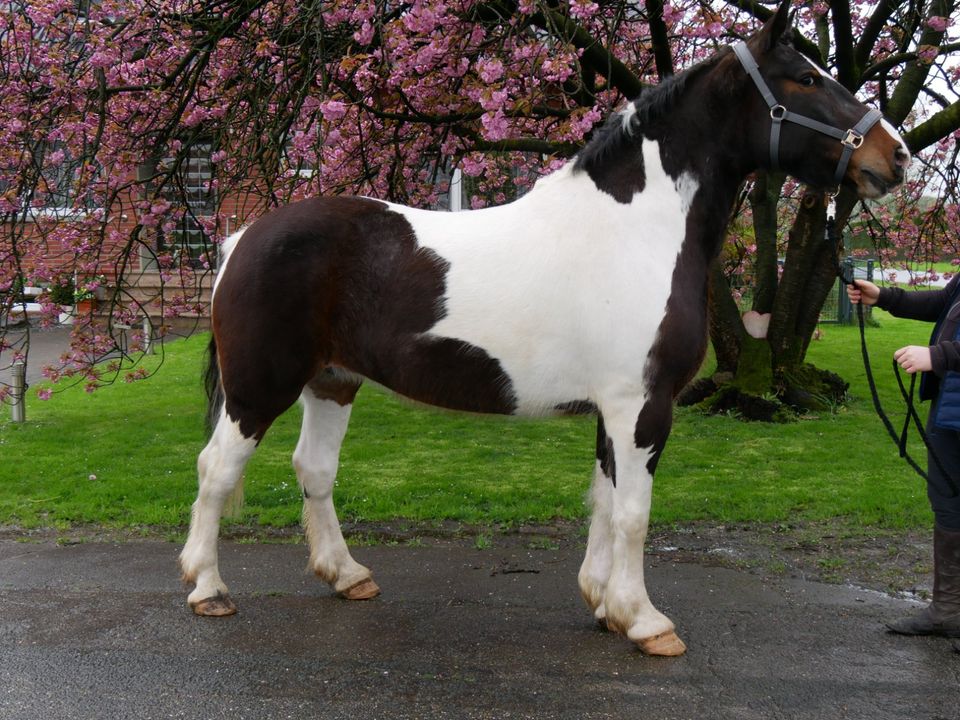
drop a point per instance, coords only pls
(46, 347)
(101, 630)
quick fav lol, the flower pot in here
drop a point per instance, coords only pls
(85, 307)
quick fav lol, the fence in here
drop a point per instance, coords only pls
(837, 308)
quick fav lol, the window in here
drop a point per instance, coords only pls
(190, 187)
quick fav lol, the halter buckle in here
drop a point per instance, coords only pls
(779, 112)
(852, 139)
(831, 206)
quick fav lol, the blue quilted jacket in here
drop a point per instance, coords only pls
(943, 307)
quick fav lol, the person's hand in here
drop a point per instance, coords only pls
(863, 291)
(914, 358)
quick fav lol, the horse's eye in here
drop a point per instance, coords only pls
(808, 80)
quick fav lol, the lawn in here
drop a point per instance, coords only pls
(125, 457)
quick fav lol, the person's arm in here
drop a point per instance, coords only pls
(944, 357)
(916, 304)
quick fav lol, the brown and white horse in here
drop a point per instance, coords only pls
(591, 289)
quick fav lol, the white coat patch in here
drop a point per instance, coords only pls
(564, 286)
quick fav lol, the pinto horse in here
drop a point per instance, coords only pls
(591, 290)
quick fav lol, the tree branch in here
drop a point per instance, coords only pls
(915, 74)
(847, 72)
(659, 39)
(868, 38)
(891, 61)
(936, 128)
(595, 55)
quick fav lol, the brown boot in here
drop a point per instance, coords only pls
(942, 616)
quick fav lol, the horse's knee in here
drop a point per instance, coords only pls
(316, 473)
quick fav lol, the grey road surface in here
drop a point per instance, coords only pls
(101, 630)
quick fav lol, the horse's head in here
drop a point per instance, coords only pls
(809, 125)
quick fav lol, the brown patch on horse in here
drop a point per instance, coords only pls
(341, 281)
(605, 454)
(331, 384)
(577, 407)
(681, 339)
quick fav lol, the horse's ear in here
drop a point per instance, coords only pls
(776, 27)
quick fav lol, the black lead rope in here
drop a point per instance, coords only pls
(912, 414)
(900, 439)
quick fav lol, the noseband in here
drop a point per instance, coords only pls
(850, 139)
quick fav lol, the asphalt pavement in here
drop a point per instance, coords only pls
(46, 346)
(102, 630)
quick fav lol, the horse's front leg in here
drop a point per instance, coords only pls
(637, 436)
(595, 570)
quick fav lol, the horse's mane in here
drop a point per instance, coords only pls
(654, 102)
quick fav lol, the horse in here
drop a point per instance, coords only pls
(588, 291)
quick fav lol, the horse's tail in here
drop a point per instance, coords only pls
(211, 375)
(211, 383)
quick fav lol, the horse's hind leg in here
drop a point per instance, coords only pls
(327, 402)
(220, 467)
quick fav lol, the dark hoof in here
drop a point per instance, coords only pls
(216, 606)
(363, 590)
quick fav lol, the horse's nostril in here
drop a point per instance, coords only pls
(902, 156)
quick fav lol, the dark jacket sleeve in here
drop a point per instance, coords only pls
(917, 304)
(945, 356)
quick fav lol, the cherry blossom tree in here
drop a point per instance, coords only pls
(134, 136)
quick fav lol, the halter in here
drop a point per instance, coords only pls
(850, 139)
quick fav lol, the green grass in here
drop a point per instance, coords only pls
(140, 441)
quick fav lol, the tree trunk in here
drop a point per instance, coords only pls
(758, 377)
(726, 328)
(764, 198)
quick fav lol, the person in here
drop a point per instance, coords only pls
(939, 365)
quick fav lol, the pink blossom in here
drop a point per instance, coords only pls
(583, 9)
(490, 70)
(364, 35)
(472, 165)
(671, 13)
(333, 109)
(494, 100)
(495, 125)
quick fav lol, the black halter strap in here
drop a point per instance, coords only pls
(850, 139)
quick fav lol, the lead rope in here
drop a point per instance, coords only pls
(900, 440)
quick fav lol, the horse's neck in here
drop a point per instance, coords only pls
(667, 163)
